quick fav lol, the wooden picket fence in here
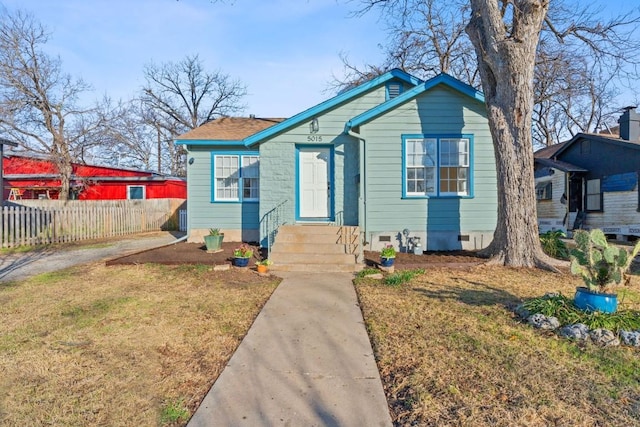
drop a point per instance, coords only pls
(39, 222)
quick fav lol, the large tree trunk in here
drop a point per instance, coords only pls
(63, 161)
(506, 58)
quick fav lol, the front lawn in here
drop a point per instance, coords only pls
(120, 346)
(451, 352)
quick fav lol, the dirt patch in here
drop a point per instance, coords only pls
(406, 261)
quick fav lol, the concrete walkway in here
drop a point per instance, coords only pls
(306, 361)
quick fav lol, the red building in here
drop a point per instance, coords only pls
(33, 178)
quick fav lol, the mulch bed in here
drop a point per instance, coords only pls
(185, 253)
(406, 261)
(196, 253)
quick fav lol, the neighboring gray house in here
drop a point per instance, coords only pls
(591, 181)
(391, 154)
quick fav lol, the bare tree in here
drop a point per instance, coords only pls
(506, 35)
(38, 102)
(426, 37)
(127, 140)
(574, 89)
(183, 96)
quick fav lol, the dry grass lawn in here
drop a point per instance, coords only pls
(120, 346)
(451, 353)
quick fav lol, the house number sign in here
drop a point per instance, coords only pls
(314, 138)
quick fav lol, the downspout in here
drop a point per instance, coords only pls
(362, 208)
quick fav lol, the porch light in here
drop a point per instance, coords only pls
(314, 126)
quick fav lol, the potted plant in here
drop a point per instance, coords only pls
(387, 256)
(241, 255)
(601, 266)
(263, 266)
(213, 240)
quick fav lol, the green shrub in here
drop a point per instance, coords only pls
(174, 412)
(553, 245)
(367, 271)
(402, 277)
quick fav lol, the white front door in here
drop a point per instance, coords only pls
(315, 184)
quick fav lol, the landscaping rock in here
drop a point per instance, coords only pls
(577, 332)
(604, 338)
(540, 321)
(631, 338)
(389, 270)
(522, 312)
(376, 276)
(222, 267)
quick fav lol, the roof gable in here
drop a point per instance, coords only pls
(564, 146)
(440, 79)
(331, 103)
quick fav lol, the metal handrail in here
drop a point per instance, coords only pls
(271, 221)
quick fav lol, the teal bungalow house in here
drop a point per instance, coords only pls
(391, 161)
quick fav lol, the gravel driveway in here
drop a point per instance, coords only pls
(20, 266)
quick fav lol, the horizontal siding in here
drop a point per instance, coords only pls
(278, 161)
(620, 208)
(438, 111)
(331, 123)
(202, 213)
(553, 208)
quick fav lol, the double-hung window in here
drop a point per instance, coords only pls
(594, 195)
(250, 178)
(236, 177)
(437, 166)
(544, 190)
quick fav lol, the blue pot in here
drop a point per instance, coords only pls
(241, 262)
(591, 301)
(386, 262)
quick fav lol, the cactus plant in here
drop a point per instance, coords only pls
(598, 263)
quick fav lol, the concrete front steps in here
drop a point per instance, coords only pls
(315, 248)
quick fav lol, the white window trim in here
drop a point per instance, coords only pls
(240, 188)
(144, 191)
(215, 178)
(438, 140)
(242, 177)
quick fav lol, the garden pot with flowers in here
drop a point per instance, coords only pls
(241, 255)
(263, 266)
(387, 256)
(601, 266)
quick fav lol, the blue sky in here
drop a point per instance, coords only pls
(285, 51)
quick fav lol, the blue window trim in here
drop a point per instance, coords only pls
(331, 216)
(438, 137)
(240, 155)
(387, 95)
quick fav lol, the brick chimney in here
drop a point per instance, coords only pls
(630, 125)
